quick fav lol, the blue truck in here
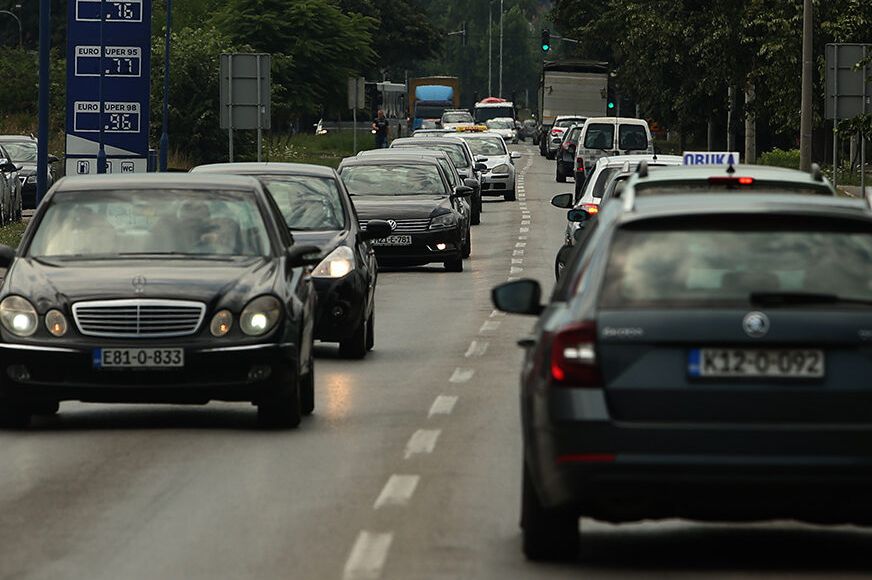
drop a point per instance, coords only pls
(429, 97)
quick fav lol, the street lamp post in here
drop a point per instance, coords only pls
(490, 50)
(501, 48)
(805, 125)
(42, 132)
(165, 135)
(20, 30)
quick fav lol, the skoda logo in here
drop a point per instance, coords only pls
(138, 283)
(393, 224)
(756, 324)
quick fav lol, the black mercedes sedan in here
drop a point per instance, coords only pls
(414, 196)
(318, 211)
(167, 288)
(22, 151)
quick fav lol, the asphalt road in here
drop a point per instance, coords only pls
(409, 469)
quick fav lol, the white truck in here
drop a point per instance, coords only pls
(573, 87)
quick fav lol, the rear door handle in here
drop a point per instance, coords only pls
(527, 342)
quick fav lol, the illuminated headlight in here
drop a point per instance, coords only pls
(31, 179)
(446, 220)
(260, 315)
(18, 316)
(56, 323)
(221, 323)
(337, 264)
(503, 168)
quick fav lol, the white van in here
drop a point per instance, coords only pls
(610, 136)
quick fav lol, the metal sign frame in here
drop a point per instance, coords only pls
(245, 95)
(848, 93)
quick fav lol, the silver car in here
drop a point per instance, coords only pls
(490, 149)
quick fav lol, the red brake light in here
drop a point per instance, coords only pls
(590, 208)
(573, 357)
(555, 132)
(731, 180)
(746, 180)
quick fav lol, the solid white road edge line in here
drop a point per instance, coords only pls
(397, 491)
(368, 556)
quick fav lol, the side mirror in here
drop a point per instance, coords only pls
(563, 200)
(470, 182)
(53, 159)
(578, 215)
(7, 256)
(480, 158)
(480, 167)
(462, 191)
(375, 229)
(8, 167)
(303, 256)
(518, 297)
(515, 155)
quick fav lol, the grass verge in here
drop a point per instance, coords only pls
(10, 235)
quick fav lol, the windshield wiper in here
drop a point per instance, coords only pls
(797, 298)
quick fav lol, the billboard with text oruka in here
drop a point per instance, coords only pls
(123, 111)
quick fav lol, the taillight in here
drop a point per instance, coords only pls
(579, 163)
(731, 180)
(590, 208)
(555, 132)
(573, 357)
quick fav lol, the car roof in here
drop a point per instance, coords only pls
(617, 120)
(376, 160)
(696, 172)
(563, 117)
(405, 152)
(266, 168)
(417, 140)
(666, 206)
(620, 160)
(492, 105)
(156, 181)
(479, 134)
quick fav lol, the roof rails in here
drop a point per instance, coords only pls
(629, 198)
(642, 170)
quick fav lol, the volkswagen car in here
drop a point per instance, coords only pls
(318, 211)
(157, 288)
(415, 197)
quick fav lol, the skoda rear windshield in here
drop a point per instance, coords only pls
(725, 264)
(734, 185)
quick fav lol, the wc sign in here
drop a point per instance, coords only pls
(711, 158)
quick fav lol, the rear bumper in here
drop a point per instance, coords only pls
(583, 461)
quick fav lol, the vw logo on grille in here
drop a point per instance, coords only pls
(756, 324)
(138, 283)
(393, 224)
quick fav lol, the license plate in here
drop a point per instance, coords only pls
(393, 241)
(127, 358)
(756, 363)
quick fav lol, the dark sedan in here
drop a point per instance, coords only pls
(702, 357)
(22, 151)
(157, 289)
(318, 210)
(415, 197)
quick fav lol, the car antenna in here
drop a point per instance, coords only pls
(655, 157)
(730, 168)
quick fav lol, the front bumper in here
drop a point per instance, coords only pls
(342, 306)
(583, 461)
(228, 373)
(424, 249)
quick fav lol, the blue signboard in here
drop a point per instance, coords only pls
(122, 65)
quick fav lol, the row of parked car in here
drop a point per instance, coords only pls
(18, 179)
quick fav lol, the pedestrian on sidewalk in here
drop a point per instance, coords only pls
(380, 129)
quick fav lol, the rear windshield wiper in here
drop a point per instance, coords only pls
(795, 298)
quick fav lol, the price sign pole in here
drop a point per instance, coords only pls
(42, 141)
(107, 120)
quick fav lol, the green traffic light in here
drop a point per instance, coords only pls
(546, 48)
(611, 105)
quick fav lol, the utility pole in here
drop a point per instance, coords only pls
(501, 48)
(165, 124)
(44, 79)
(805, 127)
(490, 50)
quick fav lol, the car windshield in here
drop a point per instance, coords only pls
(565, 123)
(392, 179)
(599, 136)
(455, 151)
(487, 146)
(457, 118)
(699, 266)
(21, 151)
(307, 202)
(501, 124)
(186, 222)
(632, 137)
(692, 186)
(484, 114)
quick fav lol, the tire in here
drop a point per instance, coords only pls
(560, 177)
(283, 409)
(475, 218)
(578, 190)
(509, 195)
(307, 389)
(370, 331)
(560, 261)
(454, 264)
(14, 416)
(550, 156)
(45, 408)
(355, 345)
(548, 534)
(467, 246)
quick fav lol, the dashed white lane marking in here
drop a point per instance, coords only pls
(497, 314)
(397, 491)
(516, 270)
(461, 375)
(489, 326)
(518, 253)
(512, 278)
(422, 441)
(517, 260)
(522, 238)
(443, 405)
(521, 244)
(476, 349)
(524, 230)
(368, 556)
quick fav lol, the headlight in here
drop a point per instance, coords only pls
(260, 315)
(56, 322)
(18, 316)
(31, 179)
(502, 168)
(221, 323)
(445, 220)
(337, 264)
